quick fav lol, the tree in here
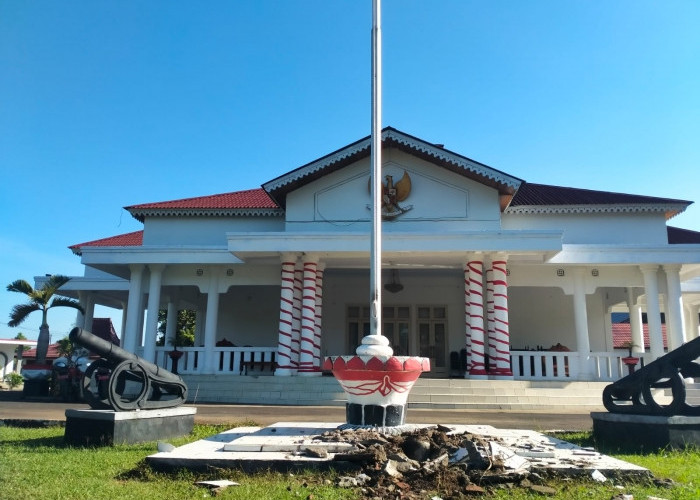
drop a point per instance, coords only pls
(65, 347)
(184, 330)
(41, 299)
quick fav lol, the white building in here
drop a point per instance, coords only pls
(485, 262)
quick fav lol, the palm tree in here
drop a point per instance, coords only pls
(39, 301)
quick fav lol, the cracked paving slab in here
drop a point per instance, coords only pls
(285, 445)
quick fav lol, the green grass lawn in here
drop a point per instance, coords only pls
(35, 464)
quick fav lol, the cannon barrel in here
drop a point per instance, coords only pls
(116, 354)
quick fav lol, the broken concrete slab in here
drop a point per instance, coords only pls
(282, 446)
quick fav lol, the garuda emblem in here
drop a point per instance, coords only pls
(392, 194)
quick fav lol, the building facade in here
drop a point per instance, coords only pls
(486, 274)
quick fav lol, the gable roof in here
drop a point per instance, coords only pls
(534, 198)
(248, 202)
(134, 239)
(279, 187)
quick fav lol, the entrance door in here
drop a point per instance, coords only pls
(396, 321)
(432, 337)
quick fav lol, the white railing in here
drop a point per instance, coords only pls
(544, 365)
(608, 366)
(549, 365)
(228, 360)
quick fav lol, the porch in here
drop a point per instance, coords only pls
(526, 365)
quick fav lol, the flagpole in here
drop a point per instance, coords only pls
(375, 343)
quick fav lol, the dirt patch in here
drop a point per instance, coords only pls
(416, 463)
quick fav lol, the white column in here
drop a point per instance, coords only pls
(149, 343)
(467, 320)
(170, 322)
(581, 324)
(211, 364)
(284, 341)
(476, 313)
(636, 326)
(199, 320)
(319, 315)
(133, 309)
(675, 329)
(500, 312)
(123, 325)
(308, 318)
(79, 316)
(694, 310)
(89, 311)
(651, 290)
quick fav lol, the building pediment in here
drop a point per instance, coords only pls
(280, 187)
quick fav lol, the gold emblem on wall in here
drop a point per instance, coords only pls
(392, 194)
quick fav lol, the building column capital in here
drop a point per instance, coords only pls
(649, 268)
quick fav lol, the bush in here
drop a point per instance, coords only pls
(13, 379)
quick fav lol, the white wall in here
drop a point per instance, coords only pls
(441, 200)
(629, 229)
(203, 230)
(249, 315)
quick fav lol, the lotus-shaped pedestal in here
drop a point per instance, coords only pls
(377, 386)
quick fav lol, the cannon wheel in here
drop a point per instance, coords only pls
(676, 384)
(124, 372)
(93, 397)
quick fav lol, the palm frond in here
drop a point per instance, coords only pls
(20, 312)
(20, 286)
(54, 282)
(66, 302)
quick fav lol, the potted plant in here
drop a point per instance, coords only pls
(175, 355)
(629, 360)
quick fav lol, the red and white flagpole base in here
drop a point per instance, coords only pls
(377, 387)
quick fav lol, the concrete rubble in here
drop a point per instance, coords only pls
(404, 463)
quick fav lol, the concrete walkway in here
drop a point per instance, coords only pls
(13, 407)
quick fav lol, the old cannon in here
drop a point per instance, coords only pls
(663, 378)
(122, 381)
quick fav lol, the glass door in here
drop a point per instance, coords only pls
(432, 337)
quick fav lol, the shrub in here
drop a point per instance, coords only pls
(13, 379)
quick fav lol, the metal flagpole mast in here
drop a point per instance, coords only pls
(375, 343)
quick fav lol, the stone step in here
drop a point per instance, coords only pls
(429, 393)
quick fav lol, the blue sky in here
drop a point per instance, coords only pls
(114, 103)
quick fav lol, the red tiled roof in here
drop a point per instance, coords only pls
(543, 194)
(622, 332)
(218, 204)
(134, 239)
(251, 198)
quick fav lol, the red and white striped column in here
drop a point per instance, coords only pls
(307, 344)
(467, 321)
(500, 307)
(476, 315)
(296, 310)
(490, 316)
(320, 268)
(285, 365)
